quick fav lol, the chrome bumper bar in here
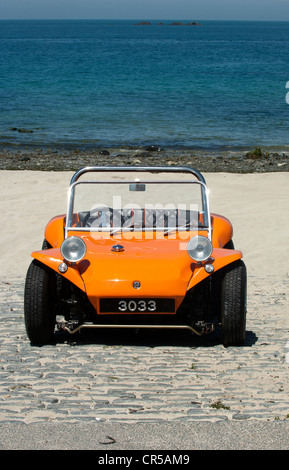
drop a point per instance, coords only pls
(64, 327)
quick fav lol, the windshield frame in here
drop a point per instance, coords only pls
(200, 180)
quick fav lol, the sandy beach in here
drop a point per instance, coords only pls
(256, 204)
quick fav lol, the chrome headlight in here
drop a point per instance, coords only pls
(73, 249)
(199, 248)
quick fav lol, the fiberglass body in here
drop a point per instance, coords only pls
(137, 248)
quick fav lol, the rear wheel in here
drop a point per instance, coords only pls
(39, 300)
(233, 304)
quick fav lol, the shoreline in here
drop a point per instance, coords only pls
(71, 158)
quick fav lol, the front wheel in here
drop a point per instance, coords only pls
(233, 304)
(39, 299)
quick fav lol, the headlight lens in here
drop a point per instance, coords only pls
(199, 248)
(73, 249)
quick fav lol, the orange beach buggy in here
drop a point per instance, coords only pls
(138, 248)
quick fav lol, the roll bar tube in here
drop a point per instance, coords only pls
(154, 169)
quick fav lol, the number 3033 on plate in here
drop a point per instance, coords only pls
(137, 305)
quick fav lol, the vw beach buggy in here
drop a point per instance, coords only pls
(138, 248)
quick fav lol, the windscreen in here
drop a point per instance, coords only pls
(137, 202)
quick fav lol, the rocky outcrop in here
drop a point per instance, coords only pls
(178, 23)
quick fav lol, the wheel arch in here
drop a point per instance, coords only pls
(54, 231)
(52, 259)
(222, 231)
(220, 259)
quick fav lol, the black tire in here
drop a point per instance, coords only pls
(39, 299)
(229, 245)
(58, 278)
(233, 304)
(46, 245)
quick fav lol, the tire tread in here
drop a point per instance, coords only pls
(234, 304)
(38, 303)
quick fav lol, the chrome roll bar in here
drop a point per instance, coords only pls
(153, 169)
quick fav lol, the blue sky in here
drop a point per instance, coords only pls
(146, 9)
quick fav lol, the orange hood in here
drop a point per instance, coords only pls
(162, 267)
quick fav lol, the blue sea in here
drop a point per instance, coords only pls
(218, 85)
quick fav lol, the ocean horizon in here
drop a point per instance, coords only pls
(110, 83)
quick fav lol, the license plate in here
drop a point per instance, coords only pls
(137, 305)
